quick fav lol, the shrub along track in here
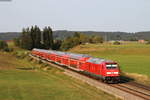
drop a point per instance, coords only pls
(126, 91)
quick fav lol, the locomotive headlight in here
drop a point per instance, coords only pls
(116, 72)
(108, 73)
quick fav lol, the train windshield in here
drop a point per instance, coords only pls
(111, 66)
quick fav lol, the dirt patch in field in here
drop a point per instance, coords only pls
(6, 61)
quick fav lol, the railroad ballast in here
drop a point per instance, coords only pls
(107, 70)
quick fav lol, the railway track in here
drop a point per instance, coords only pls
(140, 86)
(126, 91)
(133, 90)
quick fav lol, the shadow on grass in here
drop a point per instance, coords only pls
(125, 79)
(25, 68)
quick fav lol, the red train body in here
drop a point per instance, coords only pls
(107, 70)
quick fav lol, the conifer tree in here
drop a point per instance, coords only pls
(37, 37)
(26, 41)
(47, 38)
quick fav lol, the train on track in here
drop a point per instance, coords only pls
(107, 70)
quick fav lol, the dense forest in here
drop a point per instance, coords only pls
(62, 34)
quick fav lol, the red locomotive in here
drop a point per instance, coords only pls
(107, 70)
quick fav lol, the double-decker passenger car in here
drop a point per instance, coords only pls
(107, 70)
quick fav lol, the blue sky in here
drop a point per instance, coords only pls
(82, 15)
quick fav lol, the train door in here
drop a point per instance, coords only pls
(97, 69)
(66, 60)
(102, 70)
(88, 67)
(83, 65)
(94, 68)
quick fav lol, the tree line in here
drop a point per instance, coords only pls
(79, 38)
(35, 38)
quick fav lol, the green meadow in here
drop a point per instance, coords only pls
(133, 57)
(23, 79)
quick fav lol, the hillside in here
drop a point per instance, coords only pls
(62, 34)
(9, 35)
(106, 35)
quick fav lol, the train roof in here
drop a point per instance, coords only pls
(72, 55)
(98, 60)
(75, 56)
(78, 56)
(42, 50)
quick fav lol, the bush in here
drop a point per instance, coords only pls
(20, 55)
(116, 43)
(11, 49)
(16, 41)
(40, 62)
(148, 42)
(6, 49)
(97, 39)
(3, 45)
(57, 44)
(29, 59)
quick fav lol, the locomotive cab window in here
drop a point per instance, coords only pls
(111, 66)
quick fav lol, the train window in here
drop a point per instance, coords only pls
(111, 66)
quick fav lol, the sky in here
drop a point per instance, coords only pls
(76, 15)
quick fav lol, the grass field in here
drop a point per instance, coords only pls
(133, 57)
(23, 80)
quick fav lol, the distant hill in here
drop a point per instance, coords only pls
(62, 34)
(143, 35)
(106, 35)
(9, 35)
